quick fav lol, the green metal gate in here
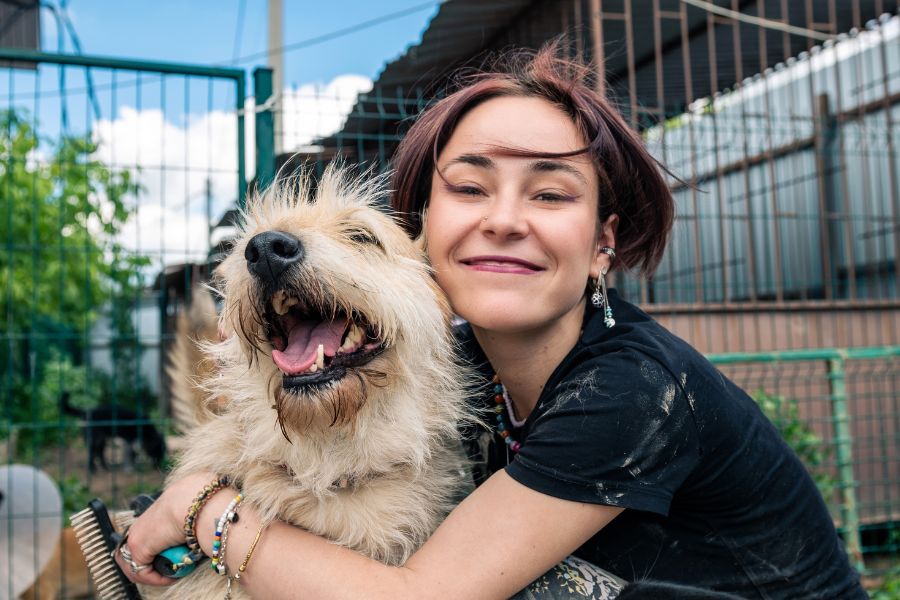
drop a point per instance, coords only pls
(113, 174)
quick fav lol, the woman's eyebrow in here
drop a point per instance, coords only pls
(476, 160)
(544, 166)
(537, 166)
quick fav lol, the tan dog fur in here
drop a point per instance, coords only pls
(389, 427)
(188, 366)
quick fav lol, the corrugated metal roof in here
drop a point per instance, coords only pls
(462, 30)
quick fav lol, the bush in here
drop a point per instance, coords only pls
(889, 588)
(784, 413)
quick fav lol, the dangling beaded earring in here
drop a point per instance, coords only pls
(600, 298)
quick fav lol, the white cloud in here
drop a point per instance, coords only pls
(313, 110)
(179, 165)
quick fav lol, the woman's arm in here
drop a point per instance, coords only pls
(498, 540)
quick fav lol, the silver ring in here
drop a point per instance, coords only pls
(126, 555)
(611, 252)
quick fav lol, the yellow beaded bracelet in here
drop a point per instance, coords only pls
(190, 520)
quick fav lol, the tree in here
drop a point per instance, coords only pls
(60, 214)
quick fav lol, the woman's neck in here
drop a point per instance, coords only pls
(525, 360)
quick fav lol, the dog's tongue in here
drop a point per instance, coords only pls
(304, 338)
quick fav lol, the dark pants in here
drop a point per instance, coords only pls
(573, 579)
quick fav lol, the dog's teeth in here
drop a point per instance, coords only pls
(349, 341)
(313, 368)
(282, 303)
(278, 302)
(320, 357)
(354, 337)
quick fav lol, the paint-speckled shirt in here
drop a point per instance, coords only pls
(636, 418)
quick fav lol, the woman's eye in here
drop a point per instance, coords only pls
(465, 190)
(552, 197)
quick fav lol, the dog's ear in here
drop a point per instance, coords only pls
(420, 242)
(420, 245)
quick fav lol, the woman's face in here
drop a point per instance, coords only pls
(514, 240)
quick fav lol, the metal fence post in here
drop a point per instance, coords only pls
(265, 127)
(843, 444)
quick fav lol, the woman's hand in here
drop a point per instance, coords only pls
(161, 527)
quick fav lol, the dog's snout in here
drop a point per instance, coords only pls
(269, 254)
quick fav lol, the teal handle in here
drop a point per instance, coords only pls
(165, 561)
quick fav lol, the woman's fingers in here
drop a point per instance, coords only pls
(161, 526)
(141, 573)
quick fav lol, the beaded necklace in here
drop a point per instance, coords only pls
(503, 407)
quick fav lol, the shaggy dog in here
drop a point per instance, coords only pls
(342, 393)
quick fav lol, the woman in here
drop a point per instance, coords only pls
(619, 443)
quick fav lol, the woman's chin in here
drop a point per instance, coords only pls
(525, 315)
(509, 321)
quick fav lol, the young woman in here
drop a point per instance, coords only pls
(620, 444)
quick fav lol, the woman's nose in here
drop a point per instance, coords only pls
(504, 217)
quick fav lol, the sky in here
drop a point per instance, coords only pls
(209, 32)
(179, 139)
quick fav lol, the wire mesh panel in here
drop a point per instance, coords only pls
(321, 124)
(112, 175)
(839, 411)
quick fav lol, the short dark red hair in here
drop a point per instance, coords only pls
(631, 182)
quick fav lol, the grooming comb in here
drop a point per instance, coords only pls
(98, 539)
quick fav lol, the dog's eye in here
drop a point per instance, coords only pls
(362, 236)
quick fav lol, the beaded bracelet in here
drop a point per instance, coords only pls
(221, 535)
(190, 526)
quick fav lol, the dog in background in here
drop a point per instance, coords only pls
(341, 390)
(105, 423)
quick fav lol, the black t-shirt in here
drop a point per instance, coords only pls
(636, 418)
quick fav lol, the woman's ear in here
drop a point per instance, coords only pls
(606, 237)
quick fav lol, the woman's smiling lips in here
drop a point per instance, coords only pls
(501, 264)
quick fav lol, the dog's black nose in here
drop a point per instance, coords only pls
(269, 254)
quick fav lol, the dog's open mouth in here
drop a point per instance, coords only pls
(311, 348)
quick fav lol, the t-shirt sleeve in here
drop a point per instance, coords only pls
(616, 431)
